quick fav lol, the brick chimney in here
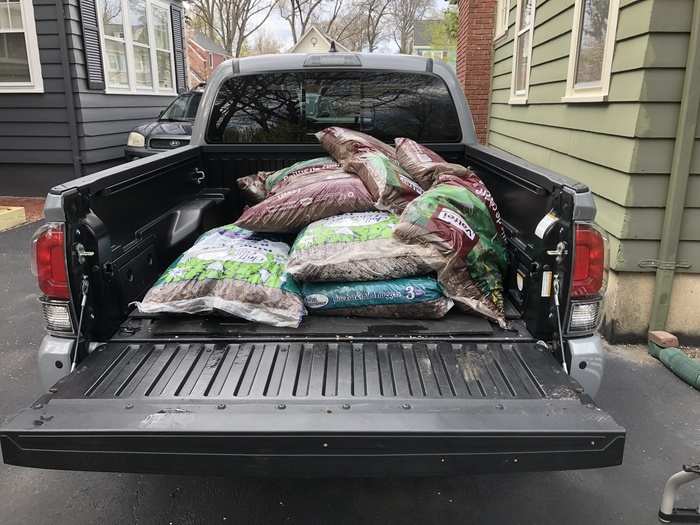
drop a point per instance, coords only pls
(474, 52)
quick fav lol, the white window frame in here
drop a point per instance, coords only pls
(132, 88)
(598, 91)
(521, 97)
(36, 81)
(502, 18)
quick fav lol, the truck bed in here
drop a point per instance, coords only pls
(360, 402)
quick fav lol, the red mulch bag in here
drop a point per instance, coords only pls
(391, 188)
(280, 178)
(343, 143)
(422, 164)
(459, 218)
(307, 199)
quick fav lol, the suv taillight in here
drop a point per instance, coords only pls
(589, 262)
(49, 261)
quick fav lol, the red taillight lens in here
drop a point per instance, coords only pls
(589, 262)
(50, 261)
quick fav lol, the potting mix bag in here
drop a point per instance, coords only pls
(407, 298)
(233, 271)
(291, 173)
(391, 188)
(459, 218)
(343, 143)
(253, 186)
(357, 247)
(307, 199)
(422, 164)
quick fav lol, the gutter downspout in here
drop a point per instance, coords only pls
(68, 89)
(678, 179)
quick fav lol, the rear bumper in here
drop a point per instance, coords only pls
(425, 437)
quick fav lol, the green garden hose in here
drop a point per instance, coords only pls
(678, 362)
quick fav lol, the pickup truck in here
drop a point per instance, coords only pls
(337, 396)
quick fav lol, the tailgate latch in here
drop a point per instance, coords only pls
(82, 253)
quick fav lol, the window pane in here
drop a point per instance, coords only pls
(291, 107)
(594, 29)
(165, 72)
(527, 11)
(142, 67)
(116, 64)
(160, 27)
(139, 23)
(522, 60)
(112, 19)
(4, 17)
(15, 15)
(14, 65)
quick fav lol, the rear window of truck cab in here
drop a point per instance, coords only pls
(289, 107)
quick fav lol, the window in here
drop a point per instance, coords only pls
(502, 11)
(290, 107)
(20, 69)
(522, 50)
(592, 45)
(137, 46)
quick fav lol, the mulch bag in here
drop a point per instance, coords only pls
(357, 247)
(307, 199)
(422, 164)
(233, 271)
(253, 186)
(390, 186)
(459, 218)
(291, 173)
(343, 143)
(407, 298)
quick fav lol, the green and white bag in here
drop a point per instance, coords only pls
(357, 247)
(233, 271)
(407, 298)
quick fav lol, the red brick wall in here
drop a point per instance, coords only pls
(474, 53)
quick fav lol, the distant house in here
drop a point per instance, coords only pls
(203, 56)
(75, 77)
(605, 92)
(425, 44)
(316, 41)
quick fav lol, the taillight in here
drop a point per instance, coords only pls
(589, 262)
(49, 264)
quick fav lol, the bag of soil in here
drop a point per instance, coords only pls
(308, 199)
(422, 164)
(459, 218)
(253, 186)
(291, 174)
(357, 247)
(232, 271)
(390, 186)
(343, 143)
(407, 298)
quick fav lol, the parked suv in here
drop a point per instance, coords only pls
(172, 129)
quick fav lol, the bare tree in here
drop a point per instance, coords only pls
(232, 21)
(264, 44)
(404, 14)
(344, 24)
(374, 12)
(299, 14)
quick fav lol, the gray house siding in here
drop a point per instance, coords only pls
(35, 148)
(35, 145)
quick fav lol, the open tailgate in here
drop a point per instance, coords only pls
(315, 408)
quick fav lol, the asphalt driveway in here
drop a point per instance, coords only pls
(661, 414)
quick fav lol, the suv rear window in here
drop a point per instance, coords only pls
(289, 107)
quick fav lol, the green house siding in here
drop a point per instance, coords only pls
(622, 148)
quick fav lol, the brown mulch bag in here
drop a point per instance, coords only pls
(308, 199)
(422, 164)
(253, 186)
(391, 187)
(343, 143)
(459, 218)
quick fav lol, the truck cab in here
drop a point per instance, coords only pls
(127, 391)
